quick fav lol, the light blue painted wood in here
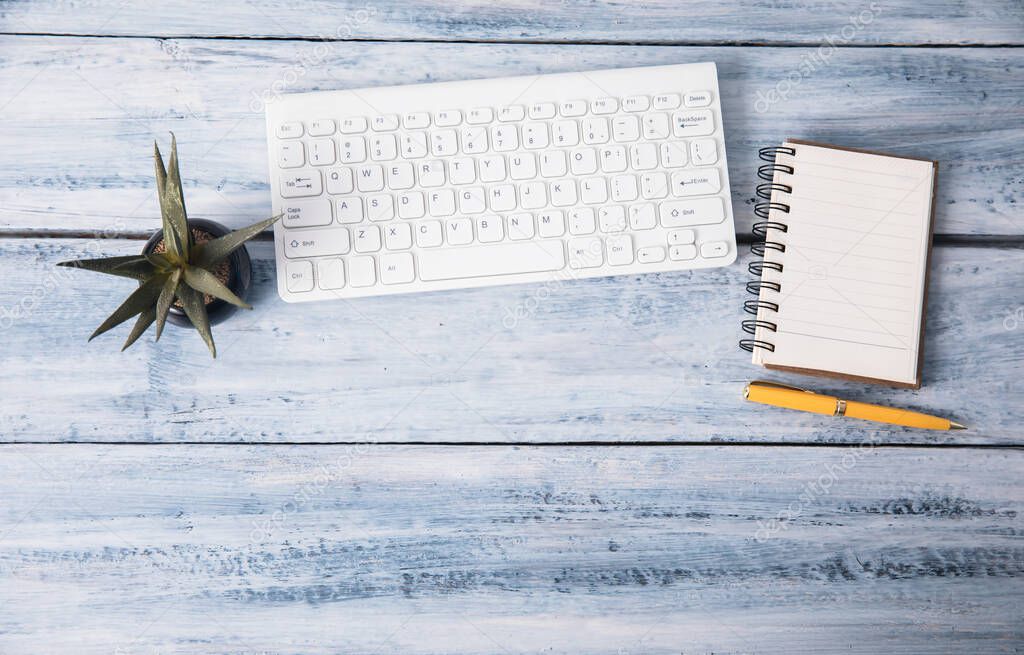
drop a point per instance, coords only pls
(317, 550)
(89, 168)
(652, 21)
(637, 358)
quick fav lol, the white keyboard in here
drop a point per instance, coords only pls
(485, 182)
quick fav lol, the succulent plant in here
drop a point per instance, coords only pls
(183, 273)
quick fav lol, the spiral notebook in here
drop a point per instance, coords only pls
(844, 243)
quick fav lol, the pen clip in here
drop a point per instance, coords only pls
(778, 385)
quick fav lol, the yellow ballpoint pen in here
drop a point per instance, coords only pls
(781, 395)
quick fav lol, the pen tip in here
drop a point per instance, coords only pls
(956, 426)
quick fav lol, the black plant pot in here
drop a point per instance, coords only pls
(239, 274)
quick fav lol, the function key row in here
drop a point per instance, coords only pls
(483, 115)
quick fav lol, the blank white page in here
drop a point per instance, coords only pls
(855, 264)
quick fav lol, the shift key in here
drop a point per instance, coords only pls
(315, 243)
(683, 213)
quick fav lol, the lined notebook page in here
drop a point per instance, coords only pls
(855, 266)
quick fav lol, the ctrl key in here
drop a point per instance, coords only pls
(299, 276)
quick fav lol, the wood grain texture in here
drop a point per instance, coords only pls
(652, 21)
(187, 549)
(616, 359)
(78, 116)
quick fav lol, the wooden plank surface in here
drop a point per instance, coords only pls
(643, 358)
(78, 116)
(187, 549)
(652, 21)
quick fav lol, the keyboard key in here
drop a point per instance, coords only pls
(593, 190)
(416, 120)
(666, 101)
(595, 130)
(503, 197)
(581, 220)
(299, 276)
(384, 123)
(522, 166)
(620, 249)
(583, 161)
(656, 126)
(650, 255)
(291, 155)
(551, 224)
(398, 236)
(497, 259)
(682, 252)
(380, 207)
(330, 274)
(441, 202)
(428, 234)
(698, 99)
(414, 145)
(636, 103)
(535, 135)
(624, 188)
(431, 173)
(350, 210)
(511, 113)
(654, 186)
(397, 268)
(713, 249)
(472, 200)
(411, 205)
(315, 243)
(696, 183)
(613, 159)
(704, 152)
(698, 122)
(352, 125)
(520, 226)
(504, 137)
(307, 213)
(444, 143)
(625, 128)
(383, 146)
(563, 193)
(362, 272)
(642, 217)
(290, 130)
(366, 238)
(301, 183)
(565, 133)
(674, 154)
(553, 163)
(321, 152)
(604, 106)
(339, 180)
(489, 229)
(533, 195)
(492, 169)
(612, 218)
(643, 156)
(321, 127)
(681, 237)
(400, 176)
(543, 110)
(370, 178)
(684, 213)
(474, 140)
(479, 115)
(572, 108)
(352, 150)
(586, 253)
(462, 170)
(459, 231)
(448, 118)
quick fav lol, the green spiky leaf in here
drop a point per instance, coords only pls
(170, 238)
(141, 325)
(192, 303)
(204, 281)
(133, 266)
(212, 252)
(175, 200)
(163, 303)
(140, 300)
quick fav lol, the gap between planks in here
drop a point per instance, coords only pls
(537, 444)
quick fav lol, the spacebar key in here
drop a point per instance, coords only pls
(483, 261)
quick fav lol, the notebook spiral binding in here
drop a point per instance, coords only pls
(762, 245)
